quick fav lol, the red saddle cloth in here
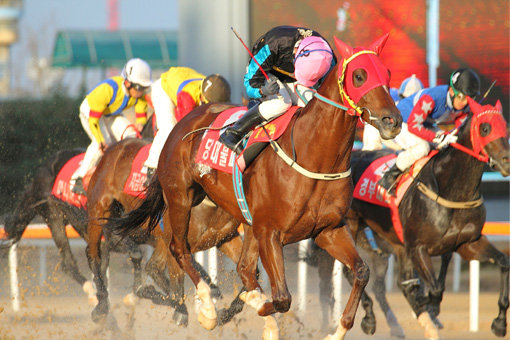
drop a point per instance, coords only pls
(134, 184)
(369, 191)
(216, 155)
(62, 185)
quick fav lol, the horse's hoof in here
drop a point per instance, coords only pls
(180, 319)
(368, 325)
(99, 314)
(431, 331)
(266, 309)
(498, 327)
(437, 322)
(206, 322)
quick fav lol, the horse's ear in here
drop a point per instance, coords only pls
(378, 45)
(499, 107)
(344, 49)
(475, 107)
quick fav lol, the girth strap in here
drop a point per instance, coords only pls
(449, 204)
(303, 171)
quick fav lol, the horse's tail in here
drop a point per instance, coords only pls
(151, 209)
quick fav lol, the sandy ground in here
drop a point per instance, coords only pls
(55, 308)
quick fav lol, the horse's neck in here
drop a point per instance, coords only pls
(325, 135)
(458, 174)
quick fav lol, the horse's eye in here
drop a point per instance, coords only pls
(485, 129)
(359, 77)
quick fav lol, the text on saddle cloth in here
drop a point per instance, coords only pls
(62, 185)
(134, 183)
(217, 156)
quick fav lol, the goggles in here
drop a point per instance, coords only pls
(139, 87)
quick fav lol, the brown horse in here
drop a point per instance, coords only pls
(286, 205)
(442, 213)
(106, 198)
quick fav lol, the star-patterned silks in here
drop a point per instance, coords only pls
(418, 122)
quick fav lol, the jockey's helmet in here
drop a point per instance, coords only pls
(216, 89)
(410, 86)
(312, 60)
(466, 81)
(138, 73)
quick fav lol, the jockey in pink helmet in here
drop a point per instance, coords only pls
(312, 60)
(288, 55)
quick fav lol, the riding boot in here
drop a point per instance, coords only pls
(233, 135)
(389, 179)
(78, 187)
(150, 173)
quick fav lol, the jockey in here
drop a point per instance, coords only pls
(175, 94)
(371, 138)
(422, 112)
(287, 54)
(101, 113)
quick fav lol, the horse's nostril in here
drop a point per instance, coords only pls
(388, 121)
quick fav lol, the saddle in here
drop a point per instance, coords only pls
(133, 186)
(214, 154)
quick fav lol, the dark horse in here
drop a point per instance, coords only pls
(286, 205)
(106, 198)
(451, 219)
(37, 200)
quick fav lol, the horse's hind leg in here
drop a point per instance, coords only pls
(94, 258)
(482, 250)
(338, 243)
(380, 268)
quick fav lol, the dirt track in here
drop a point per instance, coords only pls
(58, 309)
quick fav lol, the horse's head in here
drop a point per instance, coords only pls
(363, 81)
(489, 135)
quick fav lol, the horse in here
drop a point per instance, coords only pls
(107, 199)
(442, 212)
(37, 200)
(287, 206)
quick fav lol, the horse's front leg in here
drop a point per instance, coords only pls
(338, 243)
(179, 209)
(423, 264)
(482, 250)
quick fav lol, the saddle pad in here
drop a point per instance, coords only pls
(367, 188)
(62, 186)
(217, 156)
(134, 183)
(369, 191)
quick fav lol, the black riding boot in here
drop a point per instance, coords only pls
(150, 173)
(388, 181)
(233, 135)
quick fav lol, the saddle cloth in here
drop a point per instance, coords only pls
(133, 186)
(62, 185)
(217, 156)
(369, 191)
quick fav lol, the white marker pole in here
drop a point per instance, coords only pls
(474, 291)
(302, 273)
(13, 271)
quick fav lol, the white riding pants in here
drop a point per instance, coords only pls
(414, 148)
(113, 128)
(164, 110)
(275, 105)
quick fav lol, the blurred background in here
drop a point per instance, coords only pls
(52, 52)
